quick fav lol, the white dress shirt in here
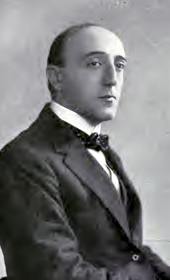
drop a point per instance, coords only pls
(79, 122)
(2, 265)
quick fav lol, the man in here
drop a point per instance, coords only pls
(67, 207)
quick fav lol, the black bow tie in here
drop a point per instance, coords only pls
(95, 141)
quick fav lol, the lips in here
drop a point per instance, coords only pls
(108, 96)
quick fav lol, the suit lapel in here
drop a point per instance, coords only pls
(92, 175)
(133, 205)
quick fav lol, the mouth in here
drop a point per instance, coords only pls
(108, 97)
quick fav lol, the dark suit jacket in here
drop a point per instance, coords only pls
(60, 216)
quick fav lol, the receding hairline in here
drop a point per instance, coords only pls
(74, 30)
(85, 28)
(94, 29)
(60, 43)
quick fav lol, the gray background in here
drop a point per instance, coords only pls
(141, 131)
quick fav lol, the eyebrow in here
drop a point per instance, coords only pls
(103, 53)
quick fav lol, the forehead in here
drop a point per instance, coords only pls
(92, 40)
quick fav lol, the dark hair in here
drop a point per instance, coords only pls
(56, 54)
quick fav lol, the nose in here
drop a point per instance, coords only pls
(110, 75)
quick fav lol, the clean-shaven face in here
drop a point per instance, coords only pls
(92, 78)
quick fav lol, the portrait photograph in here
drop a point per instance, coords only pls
(84, 139)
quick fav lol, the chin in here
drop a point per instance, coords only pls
(100, 116)
(103, 117)
(108, 114)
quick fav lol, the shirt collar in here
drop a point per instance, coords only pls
(73, 118)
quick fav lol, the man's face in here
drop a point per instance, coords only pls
(92, 78)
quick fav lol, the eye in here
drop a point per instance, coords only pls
(94, 64)
(120, 66)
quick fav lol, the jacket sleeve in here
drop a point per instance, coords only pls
(159, 266)
(37, 239)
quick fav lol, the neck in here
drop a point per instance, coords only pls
(74, 118)
(91, 120)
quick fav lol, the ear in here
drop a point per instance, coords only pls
(54, 76)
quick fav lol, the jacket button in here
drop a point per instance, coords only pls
(135, 257)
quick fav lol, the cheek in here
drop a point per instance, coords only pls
(119, 85)
(120, 80)
(88, 78)
(86, 85)
(82, 85)
(76, 90)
